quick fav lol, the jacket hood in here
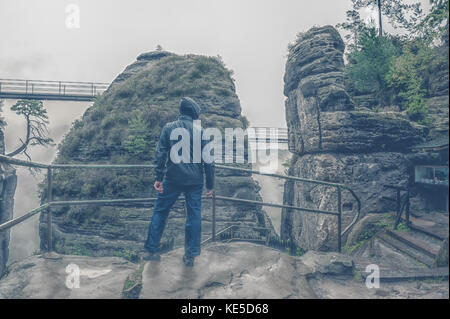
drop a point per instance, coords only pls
(189, 107)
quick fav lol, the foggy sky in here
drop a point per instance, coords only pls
(250, 35)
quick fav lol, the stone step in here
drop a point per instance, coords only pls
(430, 228)
(406, 249)
(414, 243)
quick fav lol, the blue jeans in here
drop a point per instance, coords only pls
(193, 227)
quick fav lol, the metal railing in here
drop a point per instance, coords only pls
(402, 203)
(51, 203)
(50, 90)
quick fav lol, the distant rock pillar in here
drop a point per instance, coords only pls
(8, 182)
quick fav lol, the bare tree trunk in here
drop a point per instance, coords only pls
(24, 144)
(380, 24)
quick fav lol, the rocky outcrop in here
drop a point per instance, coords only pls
(123, 126)
(54, 277)
(335, 141)
(8, 183)
(240, 270)
(233, 270)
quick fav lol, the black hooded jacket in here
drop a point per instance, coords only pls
(182, 173)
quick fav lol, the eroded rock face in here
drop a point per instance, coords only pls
(335, 142)
(320, 115)
(123, 126)
(8, 183)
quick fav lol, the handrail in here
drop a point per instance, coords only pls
(47, 206)
(294, 178)
(18, 220)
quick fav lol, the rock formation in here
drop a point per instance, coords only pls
(334, 140)
(233, 270)
(40, 277)
(8, 182)
(123, 126)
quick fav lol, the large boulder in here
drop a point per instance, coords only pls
(321, 116)
(365, 173)
(336, 142)
(123, 126)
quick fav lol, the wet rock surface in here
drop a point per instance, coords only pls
(235, 270)
(43, 276)
(223, 270)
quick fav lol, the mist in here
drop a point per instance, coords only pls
(25, 236)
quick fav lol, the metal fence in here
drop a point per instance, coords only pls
(46, 207)
(50, 90)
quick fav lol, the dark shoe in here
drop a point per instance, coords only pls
(151, 256)
(188, 261)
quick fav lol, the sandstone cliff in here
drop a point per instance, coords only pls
(334, 140)
(123, 126)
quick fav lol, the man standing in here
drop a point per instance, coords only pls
(174, 177)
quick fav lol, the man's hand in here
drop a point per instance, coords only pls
(209, 193)
(158, 186)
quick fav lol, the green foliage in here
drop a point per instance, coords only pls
(435, 25)
(349, 249)
(357, 275)
(397, 69)
(402, 227)
(300, 251)
(399, 14)
(370, 60)
(36, 129)
(127, 254)
(30, 108)
(79, 250)
(405, 78)
(138, 140)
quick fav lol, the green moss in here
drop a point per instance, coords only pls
(129, 255)
(123, 127)
(79, 250)
(349, 249)
(357, 275)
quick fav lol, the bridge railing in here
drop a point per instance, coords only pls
(38, 89)
(50, 202)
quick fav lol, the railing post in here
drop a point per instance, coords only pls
(407, 208)
(49, 210)
(339, 219)
(213, 199)
(398, 208)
